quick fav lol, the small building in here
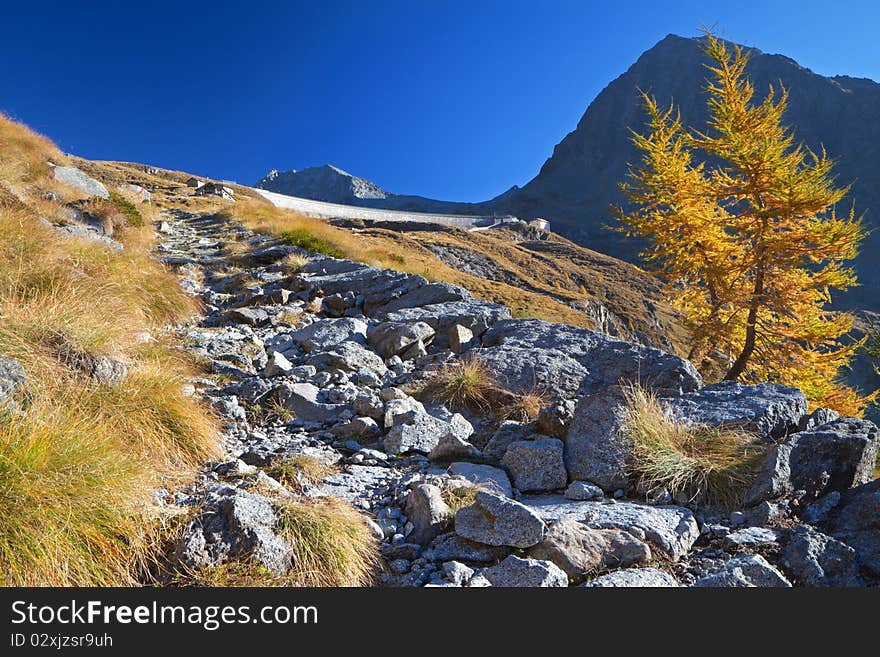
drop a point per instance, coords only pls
(194, 182)
(540, 224)
(216, 189)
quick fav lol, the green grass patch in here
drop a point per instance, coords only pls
(310, 242)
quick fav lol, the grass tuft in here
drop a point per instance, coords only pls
(332, 543)
(464, 383)
(295, 472)
(712, 465)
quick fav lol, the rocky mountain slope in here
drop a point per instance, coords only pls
(333, 185)
(578, 183)
(422, 436)
(322, 364)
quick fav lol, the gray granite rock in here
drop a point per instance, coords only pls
(13, 382)
(483, 476)
(635, 578)
(79, 180)
(855, 520)
(302, 400)
(582, 491)
(672, 529)
(744, 571)
(324, 334)
(517, 572)
(349, 356)
(234, 524)
(536, 465)
(580, 550)
(497, 520)
(815, 559)
(768, 409)
(395, 338)
(835, 456)
(428, 513)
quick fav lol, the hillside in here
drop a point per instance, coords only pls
(578, 183)
(211, 391)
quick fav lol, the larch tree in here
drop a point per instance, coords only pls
(741, 222)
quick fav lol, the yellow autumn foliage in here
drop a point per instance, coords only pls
(741, 221)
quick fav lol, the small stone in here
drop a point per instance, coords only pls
(516, 572)
(583, 490)
(428, 513)
(278, 365)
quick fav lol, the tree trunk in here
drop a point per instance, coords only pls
(739, 365)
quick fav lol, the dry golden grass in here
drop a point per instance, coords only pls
(78, 462)
(467, 383)
(712, 465)
(332, 546)
(300, 470)
(24, 155)
(463, 383)
(526, 406)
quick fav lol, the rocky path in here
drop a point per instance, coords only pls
(311, 360)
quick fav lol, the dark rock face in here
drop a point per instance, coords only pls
(768, 409)
(815, 559)
(571, 361)
(855, 520)
(833, 457)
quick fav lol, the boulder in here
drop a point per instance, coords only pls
(855, 520)
(497, 520)
(326, 333)
(536, 465)
(423, 433)
(234, 524)
(77, 179)
(457, 573)
(636, 578)
(461, 339)
(747, 570)
(508, 433)
(453, 546)
(835, 456)
(516, 572)
(250, 316)
(583, 490)
(451, 447)
(278, 365)
(767, 409)
(569, 361)
(595, 449)
(349, 356)
(417, 296)
(395, 338)
(580, 550)
(483, 476)
(815, 559)
(751, 537)
(672, 529)
(402, 409)
(471, 314)
(428, 513)
(302, 400)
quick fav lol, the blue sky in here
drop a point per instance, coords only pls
(453, 100)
